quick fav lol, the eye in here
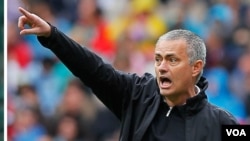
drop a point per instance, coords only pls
(157, 60)
(173, 60)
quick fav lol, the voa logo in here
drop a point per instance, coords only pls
(236, 132)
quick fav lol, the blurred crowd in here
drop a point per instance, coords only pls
(47, 103)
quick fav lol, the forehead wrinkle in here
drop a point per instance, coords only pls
(166, 55)
(172, 49)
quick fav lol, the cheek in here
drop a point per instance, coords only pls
(156, 71)
(182, 73)
(157, 74)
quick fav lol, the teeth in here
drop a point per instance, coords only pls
(165, 82)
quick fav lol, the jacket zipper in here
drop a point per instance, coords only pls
(168, 113)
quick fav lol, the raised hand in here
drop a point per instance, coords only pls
(37, 25)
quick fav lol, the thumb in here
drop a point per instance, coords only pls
(29, 31)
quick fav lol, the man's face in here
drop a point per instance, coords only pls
(173, 71)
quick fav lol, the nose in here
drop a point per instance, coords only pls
(163, 67)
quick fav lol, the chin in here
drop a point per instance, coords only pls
(165, 92)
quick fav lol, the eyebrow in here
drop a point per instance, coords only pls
(167, 55)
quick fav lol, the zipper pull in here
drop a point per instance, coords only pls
(168, 113)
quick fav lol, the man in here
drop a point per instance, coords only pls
(169, 107)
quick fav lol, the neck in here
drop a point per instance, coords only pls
(181, 99)
(175, 101)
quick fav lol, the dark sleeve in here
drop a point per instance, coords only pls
(110, 85)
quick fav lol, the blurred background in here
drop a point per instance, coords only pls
(47, 103)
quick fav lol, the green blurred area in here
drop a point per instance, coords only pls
(1, 70)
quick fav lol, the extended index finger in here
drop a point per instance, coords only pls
(25, 13)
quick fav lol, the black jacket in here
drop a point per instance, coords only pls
(134, 99)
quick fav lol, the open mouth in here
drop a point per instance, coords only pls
(165, 82)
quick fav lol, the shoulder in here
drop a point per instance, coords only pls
(146, 79)
(224, 116)
(144, 86)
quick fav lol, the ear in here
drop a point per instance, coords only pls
(197, 67)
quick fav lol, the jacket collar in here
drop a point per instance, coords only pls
(195, 104)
